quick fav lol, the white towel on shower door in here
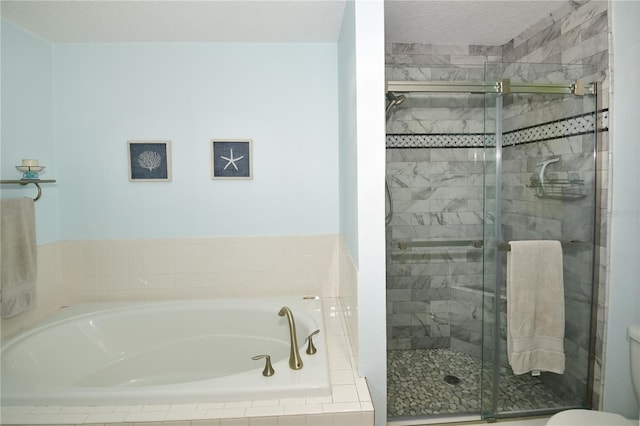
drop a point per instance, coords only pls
(535, 307)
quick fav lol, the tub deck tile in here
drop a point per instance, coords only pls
(225, 413)
(211, 406)
(185, 415)
(304, 409)
(344, 393)
(102, 418)
(341, 407)
(319, 400)
(149, 416)
(264, 411)
(265, 403)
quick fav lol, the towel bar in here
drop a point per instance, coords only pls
(36, 182)
(504, 246)
(573, 244)
(456, 243)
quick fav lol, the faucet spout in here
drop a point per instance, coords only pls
(295, 362)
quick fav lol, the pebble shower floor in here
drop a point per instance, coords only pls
(416, 385)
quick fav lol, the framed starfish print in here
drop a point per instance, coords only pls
(231, 159)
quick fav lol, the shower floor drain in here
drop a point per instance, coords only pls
(452, 380)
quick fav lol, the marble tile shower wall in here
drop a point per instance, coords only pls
(576, 34)
(437, 195)
(579, 34)
(525, 216)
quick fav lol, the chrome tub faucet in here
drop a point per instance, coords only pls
(295, 362)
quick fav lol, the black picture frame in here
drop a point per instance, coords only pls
(149, 161)
(231, 159)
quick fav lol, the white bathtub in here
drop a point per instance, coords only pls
(164, 353)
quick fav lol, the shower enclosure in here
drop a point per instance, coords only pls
(478, 157)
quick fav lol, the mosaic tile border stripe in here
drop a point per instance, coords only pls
(563, 128)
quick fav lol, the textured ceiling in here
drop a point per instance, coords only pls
(482, 22)
(440, 22)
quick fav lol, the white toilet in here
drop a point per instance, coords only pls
(601, 418)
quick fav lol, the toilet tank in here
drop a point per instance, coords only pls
(634, 334)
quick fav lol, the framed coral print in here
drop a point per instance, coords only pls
(149, 161)
(231, 159)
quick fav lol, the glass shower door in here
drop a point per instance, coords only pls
(434, 247)
(491, 234)
(540, 173)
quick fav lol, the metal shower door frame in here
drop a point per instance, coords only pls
(490, 89)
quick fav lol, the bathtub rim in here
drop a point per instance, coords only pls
(155, 394)
(79, 310)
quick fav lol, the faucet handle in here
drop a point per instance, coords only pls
(268, 368)
(311, 348)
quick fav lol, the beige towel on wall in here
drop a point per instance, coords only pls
(18, 251)
(535, 307)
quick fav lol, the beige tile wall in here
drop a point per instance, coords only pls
(116, 270)
(348, 297)
(50, 291)
(121, 270)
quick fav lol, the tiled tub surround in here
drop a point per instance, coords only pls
(126, 270)
(349, 403)
(196, 268)
(72, 272)
(167, 269)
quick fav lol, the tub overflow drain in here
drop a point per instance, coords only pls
(452, 380)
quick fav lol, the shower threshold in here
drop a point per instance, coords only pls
(434, 420)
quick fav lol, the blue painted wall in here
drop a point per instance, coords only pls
(348, 132)
(282, 96)
(27, 121)
(75, 106)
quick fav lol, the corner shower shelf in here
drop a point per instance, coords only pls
(559, 189)
(36, 182)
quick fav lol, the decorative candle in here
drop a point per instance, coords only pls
(29, 163)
